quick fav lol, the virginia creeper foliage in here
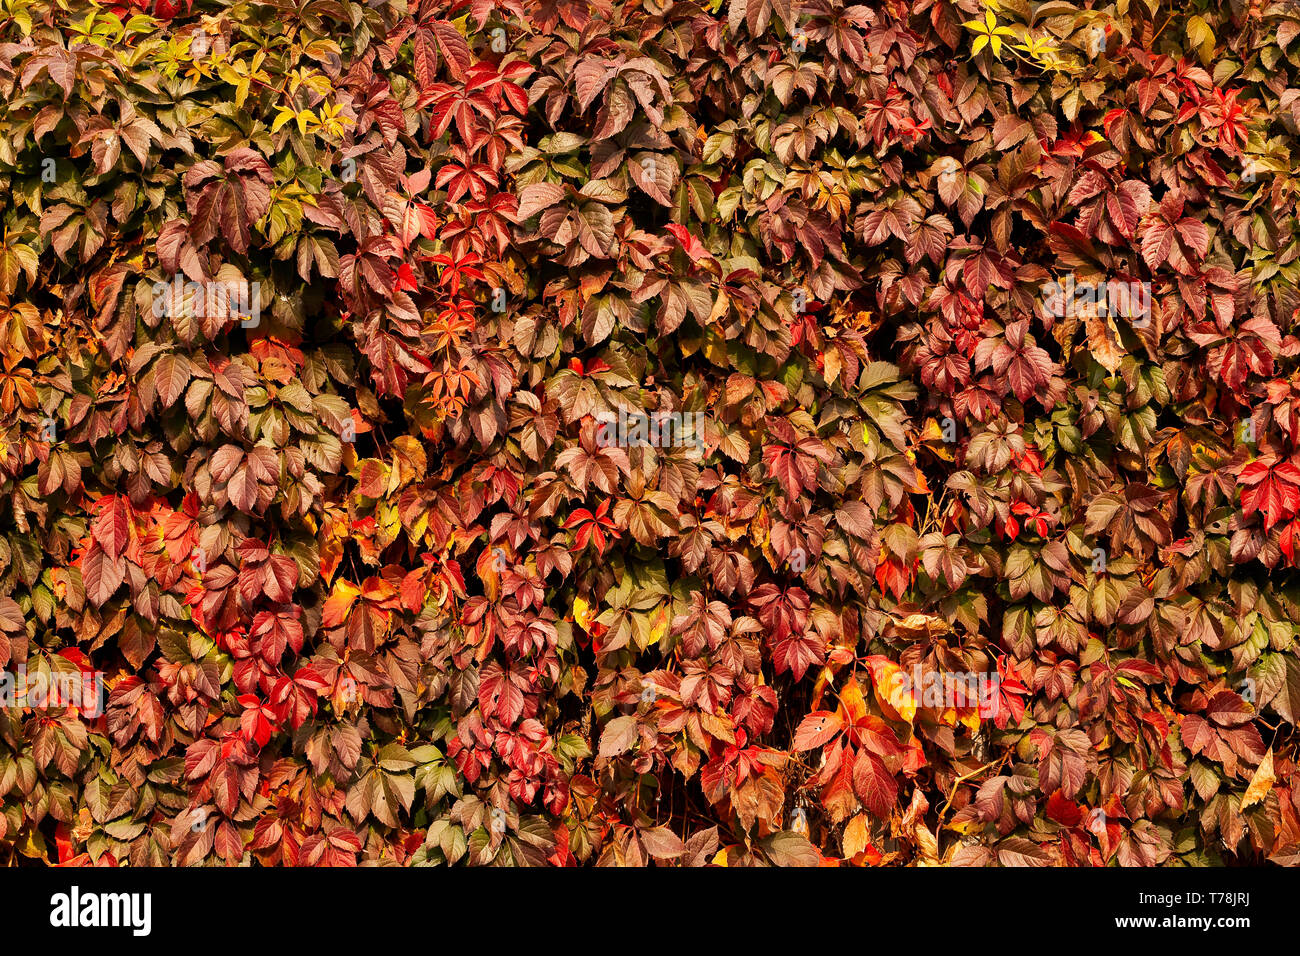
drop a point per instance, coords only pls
(367, 580)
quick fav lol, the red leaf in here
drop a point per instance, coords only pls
(874, 785)
(816, 729)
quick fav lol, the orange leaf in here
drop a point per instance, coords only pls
(893, 689)
(1261, 783)
(339, 603)
(856, 836)
(853, 707)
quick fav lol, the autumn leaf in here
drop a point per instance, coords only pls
(893, 689)
(1260, 783)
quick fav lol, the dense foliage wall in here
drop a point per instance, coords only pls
(551, 431)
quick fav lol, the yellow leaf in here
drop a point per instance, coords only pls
(659, 629)
(281, 118)
(32, 844)
(964, 826)
(856, 836)
(853, 706)
(583, 614)
(893, 689)
(1202, 37)
(339, 603)
(390, 522)
(715, 350)
(1261, 783)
